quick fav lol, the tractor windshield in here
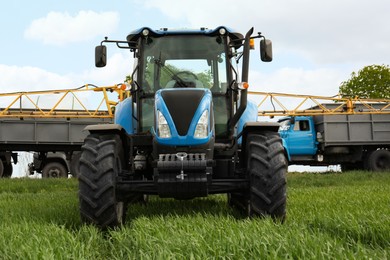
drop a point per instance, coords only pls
(195, 61)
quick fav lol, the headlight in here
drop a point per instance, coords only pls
(201, 129)
(163, 128)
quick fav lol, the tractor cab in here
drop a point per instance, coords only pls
(182, 66)
(174, 64)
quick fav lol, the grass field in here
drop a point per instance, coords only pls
(330, 216)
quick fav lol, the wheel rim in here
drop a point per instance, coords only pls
(54, 173)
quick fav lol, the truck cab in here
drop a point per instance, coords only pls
(299, 137)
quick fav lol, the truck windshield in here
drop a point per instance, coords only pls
(195, 61)
(284, 125)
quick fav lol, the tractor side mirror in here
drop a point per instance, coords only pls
(100, 56)
(266, 50)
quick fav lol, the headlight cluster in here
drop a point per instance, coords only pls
(163, 128)
(201, 129)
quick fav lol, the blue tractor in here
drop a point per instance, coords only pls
(187, 130)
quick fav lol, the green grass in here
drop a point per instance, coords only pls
(329, 216)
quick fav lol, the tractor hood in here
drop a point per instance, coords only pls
(183, 116)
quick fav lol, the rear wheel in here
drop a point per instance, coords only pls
(378, 160)
(54, 170)
(266, 170)
(100, 163)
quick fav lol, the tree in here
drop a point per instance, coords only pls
(370, 82)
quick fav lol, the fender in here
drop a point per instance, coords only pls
(111, 129)
(108, 128)
(260, 126)
(257, 127)
(104, 128)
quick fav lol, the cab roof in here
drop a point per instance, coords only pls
(136, 34)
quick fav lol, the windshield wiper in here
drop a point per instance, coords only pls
(174, 76)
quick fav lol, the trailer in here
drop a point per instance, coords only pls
(355, 141)
(55, 142)
(54, 133)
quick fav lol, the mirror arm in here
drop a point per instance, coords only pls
(258, 36)
(118, 43)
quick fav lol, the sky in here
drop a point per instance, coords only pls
(316, 44)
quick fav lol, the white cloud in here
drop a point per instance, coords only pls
(24, 79)
(118, 66)
(325, 32)
(322, 82)
(15, 79)
(62, 28)
(316, 82)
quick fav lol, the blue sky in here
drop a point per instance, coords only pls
(317, 44)
(48, 44)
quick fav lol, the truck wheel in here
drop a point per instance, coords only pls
(379, 160)
(266, 169)
(100, 163)
(74, 164)
(54, 170)
(8, 169)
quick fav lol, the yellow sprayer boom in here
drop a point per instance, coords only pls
(281, 104)
(88, 101)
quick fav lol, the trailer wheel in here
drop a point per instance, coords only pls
(266, 169)
(8, 169)
(379, 160)
(74, 164)
(54, 170)
(100, 163)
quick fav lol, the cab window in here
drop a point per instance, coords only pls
(302, 125)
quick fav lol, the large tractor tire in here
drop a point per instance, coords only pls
(266, 171)
(54, 170)
(100, 163)
(378, 160)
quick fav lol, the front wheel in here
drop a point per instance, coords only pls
(267, 170)
(100, 163)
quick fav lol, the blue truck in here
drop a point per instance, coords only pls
(356, 142)
(187, 130)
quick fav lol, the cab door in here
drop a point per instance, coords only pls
(301, 138)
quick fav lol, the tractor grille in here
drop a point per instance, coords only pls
(182, 105)
(193, 161)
